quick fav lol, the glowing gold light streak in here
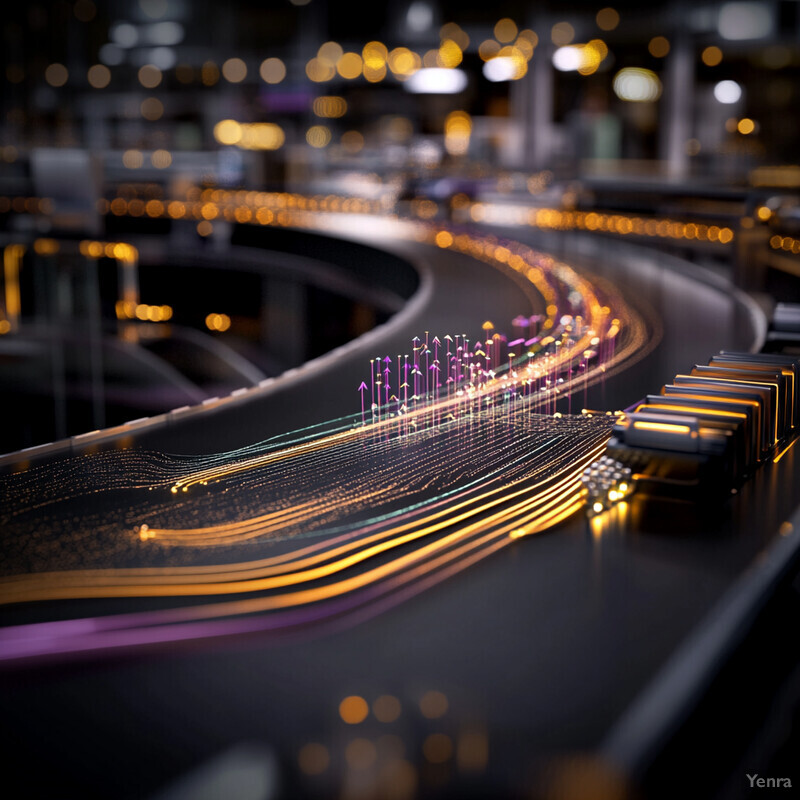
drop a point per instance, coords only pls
(47, 586)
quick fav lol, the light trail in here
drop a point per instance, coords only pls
(474, 458)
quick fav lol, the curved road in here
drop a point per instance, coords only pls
(540, 650)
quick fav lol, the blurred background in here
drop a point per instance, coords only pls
(138, 136)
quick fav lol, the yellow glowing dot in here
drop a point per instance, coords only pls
(437, 748)
(152, 108)
(132, 159)
(597, 508)
(272, 70)
(46, 247)
(449, 55)
(234, 70)
(330, 52)
(505, 30)
(607, 19)
(711, 56)
(329, 106)
(353, 709)
(318, 136)
(375, 55)
(745, 126)
(386, 708)
(209, 73)
(562, 33)
(451, 30)
(360, 754)
(726, 235)
(433, 704)
(350, 66)
(488, 49)
(658, 46)
(99, 76)
(319, 70)
(313, 758)
(623, 487)
(352, 141)
(205, 228)
(161, 159)
(764, 213)
(150, 76)
(444, 239)
(228, 131)
(56, 75)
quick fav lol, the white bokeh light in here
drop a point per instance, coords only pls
(727, 92)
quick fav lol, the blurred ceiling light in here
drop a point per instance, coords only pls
(330, 106)
(505, 30)
(431, 59)
(711, 56)
(234, 70)
(562, 33)
(123, 34)
(637, 85)
(111, 54)
(318, 136)
(228, 131)
(745, 126)
(352, 141)
(262, 136)
(436, 80)
(727, 92)
(583, 58)
(607, 19)
(319, 70)
(419, 17)
(132, 159)
(375, 74)
(209, 73)
(152, 109)
(162, 57)
(272, 70)
(56, 75)
(99, 76)
(739, 21)
(249, 136)
(504, 67)
(350, 66)
(163, 33)
(658, 46)
(404, 62)
(155, 9)
(457, 130)
(374, 55)
(161, 159)
(150, 76)
(452, 30)
(330, 52)
(488, 49)
(450, 54)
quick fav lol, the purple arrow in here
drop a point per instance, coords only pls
(361, 389)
